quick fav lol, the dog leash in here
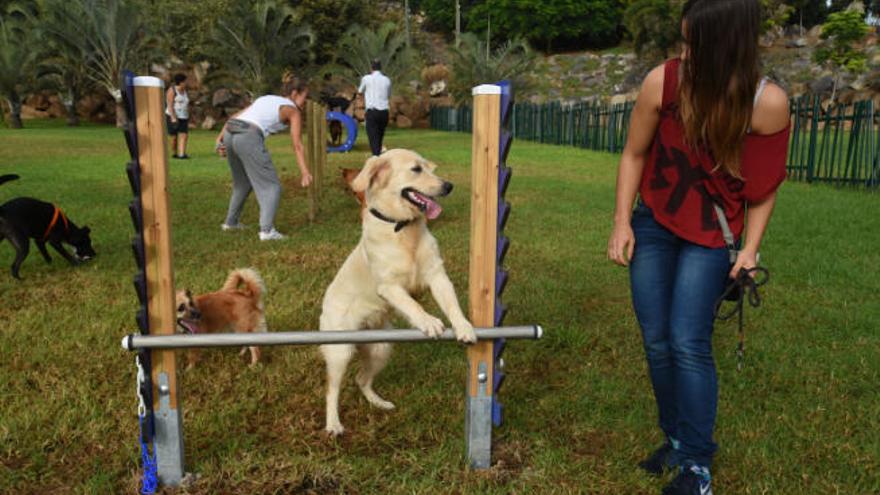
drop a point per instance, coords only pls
(58, 213)
(747, 287)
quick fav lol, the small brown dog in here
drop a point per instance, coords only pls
(348, 175)
(238, 305)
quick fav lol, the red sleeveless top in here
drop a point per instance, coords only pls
(680, 184)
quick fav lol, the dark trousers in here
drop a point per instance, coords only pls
(377, 121)
(674, 287)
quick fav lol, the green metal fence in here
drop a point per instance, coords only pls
(839, 145)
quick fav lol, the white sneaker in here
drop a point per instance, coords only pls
(238, 226)
(272, 235)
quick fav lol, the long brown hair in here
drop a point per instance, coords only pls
(720, 75)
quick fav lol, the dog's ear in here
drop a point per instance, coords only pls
(189, 294)
(376, 169)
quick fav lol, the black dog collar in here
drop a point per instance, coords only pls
(398, 224)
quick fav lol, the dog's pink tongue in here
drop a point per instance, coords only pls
(432, 208)
(192, 326)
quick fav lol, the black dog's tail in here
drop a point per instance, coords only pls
(7, 178)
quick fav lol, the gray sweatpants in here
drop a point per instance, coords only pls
(251, 168)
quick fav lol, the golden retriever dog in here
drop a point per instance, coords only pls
(395, 258)
(237, 306)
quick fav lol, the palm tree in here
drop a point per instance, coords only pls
(113, 37)
(359, 46)
(17, 59)
(256, 48)
(472, 63)
(62, 64)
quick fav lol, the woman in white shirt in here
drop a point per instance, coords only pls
(242, 141)
(177, 115)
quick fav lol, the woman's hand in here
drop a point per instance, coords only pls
(621, 244)
(306, 179)
(745, 259)
(220, 147)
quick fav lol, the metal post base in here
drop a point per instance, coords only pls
(478, 424)
(168, 439)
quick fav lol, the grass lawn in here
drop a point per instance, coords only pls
(803, 417)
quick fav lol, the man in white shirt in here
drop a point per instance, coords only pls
(376, 88)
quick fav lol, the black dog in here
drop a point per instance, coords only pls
(24, 218)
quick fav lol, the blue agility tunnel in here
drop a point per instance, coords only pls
(351, 132)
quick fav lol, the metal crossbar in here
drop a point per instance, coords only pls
(135, 342)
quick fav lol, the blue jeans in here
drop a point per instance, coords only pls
(675, 284)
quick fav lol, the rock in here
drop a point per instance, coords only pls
(796, 43)
(815, 33)
(858, 84)
(403, 122)
(208, 123)
(29, 112)
(222, 97)
(437, 88)
(433, 73)
(822, 85)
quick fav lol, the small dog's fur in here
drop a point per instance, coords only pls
(22, 219)
(238, 306)
(393, 260)
(348, 176)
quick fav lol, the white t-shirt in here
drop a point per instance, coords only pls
(376, 88)
(180, 104)
(263, 113)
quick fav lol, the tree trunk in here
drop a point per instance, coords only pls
(14, 111)
(120, 114)
(70, 106)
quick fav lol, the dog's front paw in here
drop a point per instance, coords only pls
(431, 326)
(464, 332)
(334, 430)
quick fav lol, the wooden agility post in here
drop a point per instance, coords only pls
(316, 153)
(483, 246)
(157, 273)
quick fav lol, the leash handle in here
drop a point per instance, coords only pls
(747, 281)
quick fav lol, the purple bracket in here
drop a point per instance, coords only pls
(506, 140)
(137, 214)
(133, 170)
(143, 321)
(503, 213)
(506, 101)
(500, 345)
(500, 312)
(503, 246)
(130, 129)
(504, 174)
(140, 286)
(500, 281)
(497, 412)
(137, 247)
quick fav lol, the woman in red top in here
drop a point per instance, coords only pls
(706, 130)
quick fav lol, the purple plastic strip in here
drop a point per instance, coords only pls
(137, 215)
(501, 276)
(503, 213)
(140, 286)
(506, 101)
(498, 348)
(506, 140)
(143, 322)
(504, 174)
(498, 380)
(500, 312)
(501, 250)
(497, 412)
